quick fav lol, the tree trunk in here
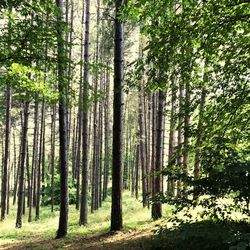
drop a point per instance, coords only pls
(186, 128)
(43, 152)
(28, 174)
(18, 166)
(100, 149)
(106, 140)
(34, 160)
(171, 142)
(40, 162)
(63, 160)
(4, 193)
(116, 210)
(180, 135)
(52, 154)
(153, 140)
(80, 110)
(84, 195)
(157, 206)
(22, 167)
(142, 150)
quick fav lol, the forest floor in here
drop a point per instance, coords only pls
(137, 232)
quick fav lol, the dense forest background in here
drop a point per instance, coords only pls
(110, 104)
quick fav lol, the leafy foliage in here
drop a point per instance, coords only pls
(204, 235)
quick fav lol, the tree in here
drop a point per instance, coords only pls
(20, 202)
(4, 190)
(116, 210)
(157, 206)
(63, 162)
(84, 194)
(6, 166)
(34, 158)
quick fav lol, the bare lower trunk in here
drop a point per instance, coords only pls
(84, 194)
(63, 161)
(116, 207)
(157, 206)
(4, 193)
(22, 167)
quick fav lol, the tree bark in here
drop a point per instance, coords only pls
(84, 195)
(52, 154)
(157, 206)
(34, 159)
(63, 160)
(171, 142)
(180, 135)
(6, 154)
(22, 167)
(106, 135)
(116, 210)
(40, 162)
(142, 150)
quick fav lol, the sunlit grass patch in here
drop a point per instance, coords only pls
(134, 217)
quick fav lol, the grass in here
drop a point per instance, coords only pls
(40, 234)
(136, 234)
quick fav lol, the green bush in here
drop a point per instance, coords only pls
(203, 235)
(48, 191)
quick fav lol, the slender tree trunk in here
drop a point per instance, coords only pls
(43, 153)
(100, 149)
(14, 158)
(18, 167)
(153, 139)
(137, 162)
(22, 167)
(34, 159)
(84, 195)
(171, 142)
(63, 161)
(149, 143)
(52, 154)
(73, 145)
(107, 135)
(180, 135)
(94, 156)
(40, 162)
(163, 149)
(157, 206)
(4, 193)
(186, 128)
(28, 174)
(125, 171)
(80, 110)
(116, 210)
(143, 150)
(69, 73)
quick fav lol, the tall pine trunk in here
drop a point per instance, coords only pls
(20, 201)
(84, 194)
(52, 155)
(34, 159)
(63, 160)
(116, 209)
(157, 206)
(106, 137)
(4, 193)
(142, 150)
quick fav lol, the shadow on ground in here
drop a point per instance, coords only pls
(122, 240)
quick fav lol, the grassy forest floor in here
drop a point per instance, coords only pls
(41, 234)
(138, 231)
